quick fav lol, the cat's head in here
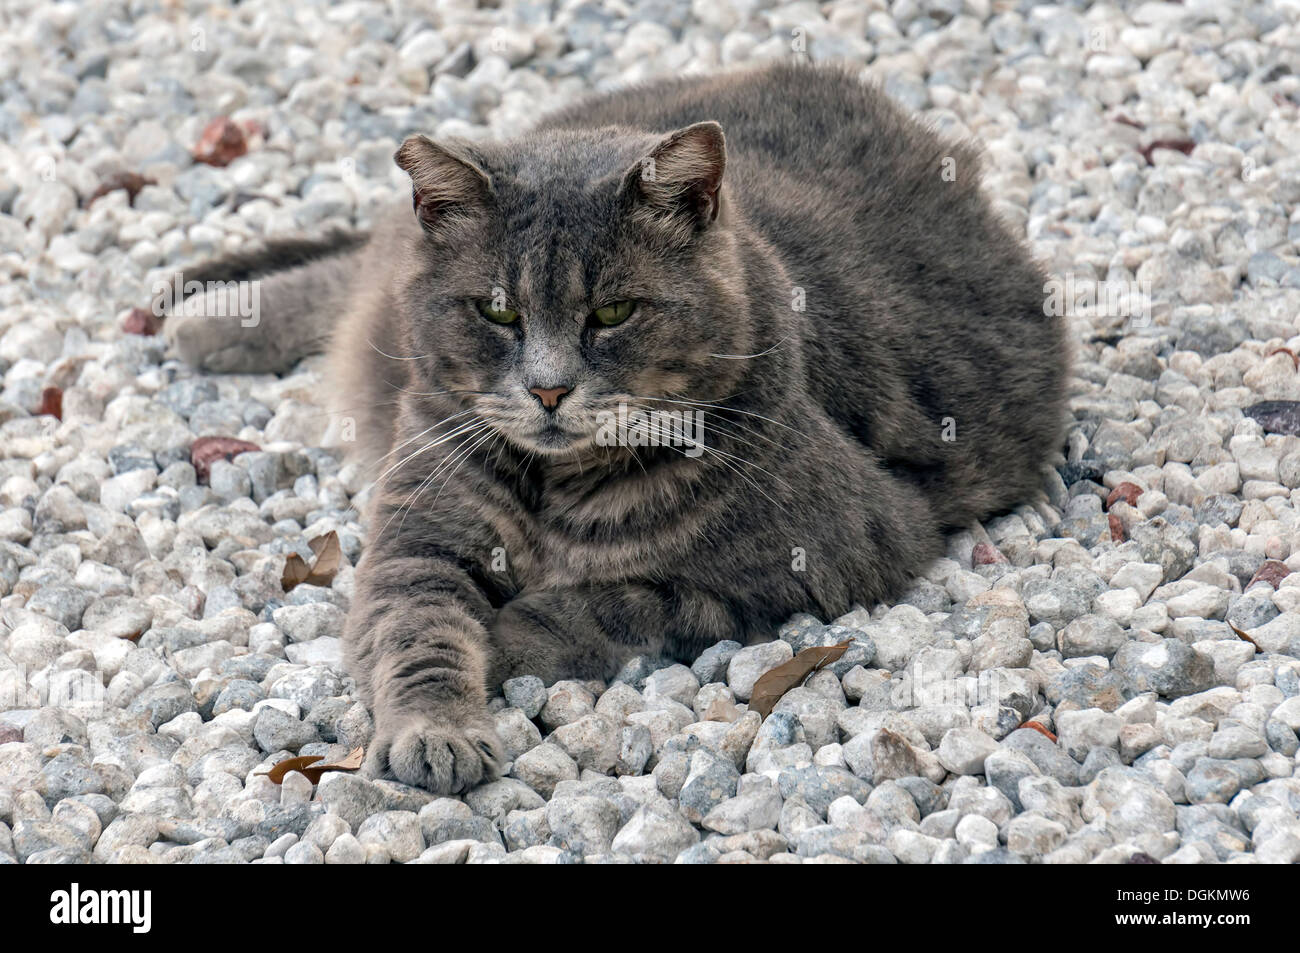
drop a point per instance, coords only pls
(565, 274)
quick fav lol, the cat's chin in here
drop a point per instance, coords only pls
(554, 441)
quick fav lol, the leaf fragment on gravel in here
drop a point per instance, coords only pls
(208, 450)
(308, 765)
(1295, 359)
(1185, 146)
(129, 182)
(1040, 729)
(329, 554)
(774, 683)
(1244, 637)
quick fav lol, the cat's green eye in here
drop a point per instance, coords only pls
(497, 315)
(612, 314)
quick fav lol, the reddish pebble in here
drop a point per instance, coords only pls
(1117, 534)
(986, 554)
(142, 321)
(51, 403)
(222, 142)
(208, 450)
(1128, 492)
(1270, 571)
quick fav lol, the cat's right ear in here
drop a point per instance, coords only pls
(447, 187)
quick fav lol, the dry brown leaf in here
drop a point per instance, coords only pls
(774, 683)
(308, 765)
(129, 182)
(1185, 146)
(295, 571)
(328, 553)
(1040, 729)
(301, 764)
(1295, 360)
(1244, 637)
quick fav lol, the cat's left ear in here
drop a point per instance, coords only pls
(676, 187)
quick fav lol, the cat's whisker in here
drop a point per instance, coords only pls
(394, 357)
(713, 454)
(734, 469)
(741, 439)
(718, 407)
(747, 357)
(410, 498)
(408, 503)
(411, 440)
(475, 424)
(444, 393)
(747, 462)
(358, 408)
(668, 439)
(417, 436)
(465, 456)
(721, 426)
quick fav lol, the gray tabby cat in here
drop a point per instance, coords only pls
(827, 285)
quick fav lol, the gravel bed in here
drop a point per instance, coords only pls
(1068, 685)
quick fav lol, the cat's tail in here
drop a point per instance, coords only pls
(260, 310)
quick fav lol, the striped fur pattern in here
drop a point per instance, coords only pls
(866, 342)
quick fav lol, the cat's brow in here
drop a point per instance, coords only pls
(551, 279)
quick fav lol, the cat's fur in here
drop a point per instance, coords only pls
(831, 472)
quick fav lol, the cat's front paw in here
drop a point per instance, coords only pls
(444, 755)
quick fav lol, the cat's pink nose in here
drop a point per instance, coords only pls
(549, 396)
